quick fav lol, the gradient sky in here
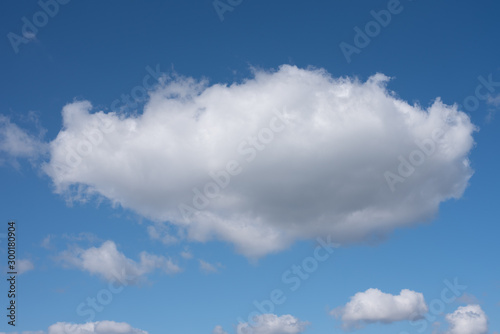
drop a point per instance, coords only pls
(98, 51)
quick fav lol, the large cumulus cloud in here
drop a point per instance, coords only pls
(285, 155)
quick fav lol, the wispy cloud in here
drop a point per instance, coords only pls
(24, 265)
(107, 262)
(208, 267)
(17, 143)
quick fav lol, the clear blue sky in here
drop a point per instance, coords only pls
(96, 51)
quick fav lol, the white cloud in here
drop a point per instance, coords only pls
(375, 306)
(107, 262)
(186, 255)
(24, 265)
(18, 143)
(272, 324)
(24, 332)
(46, 242)
(98, 327)
(82, 236)
(469, 319)
(321, 173)
(468, 298)
(208, 267)
(494, 100)
(219, 330)
(162, 233)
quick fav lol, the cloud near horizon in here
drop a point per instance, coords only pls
(98, 327)
(286, 155)
(374, 305)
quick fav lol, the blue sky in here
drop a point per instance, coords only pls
(331, 125)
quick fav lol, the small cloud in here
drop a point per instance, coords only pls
(99, 327)
(46, 242)
(17, 143)
(469, 319)
(374, 306)
(107, 262)
(210, 268)
(82, 236)
(186, 255)
(494, 100)
(207, 267)
(162, 233)
(219, 330)
(272, 324)
(468, 298)
(24, 266)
